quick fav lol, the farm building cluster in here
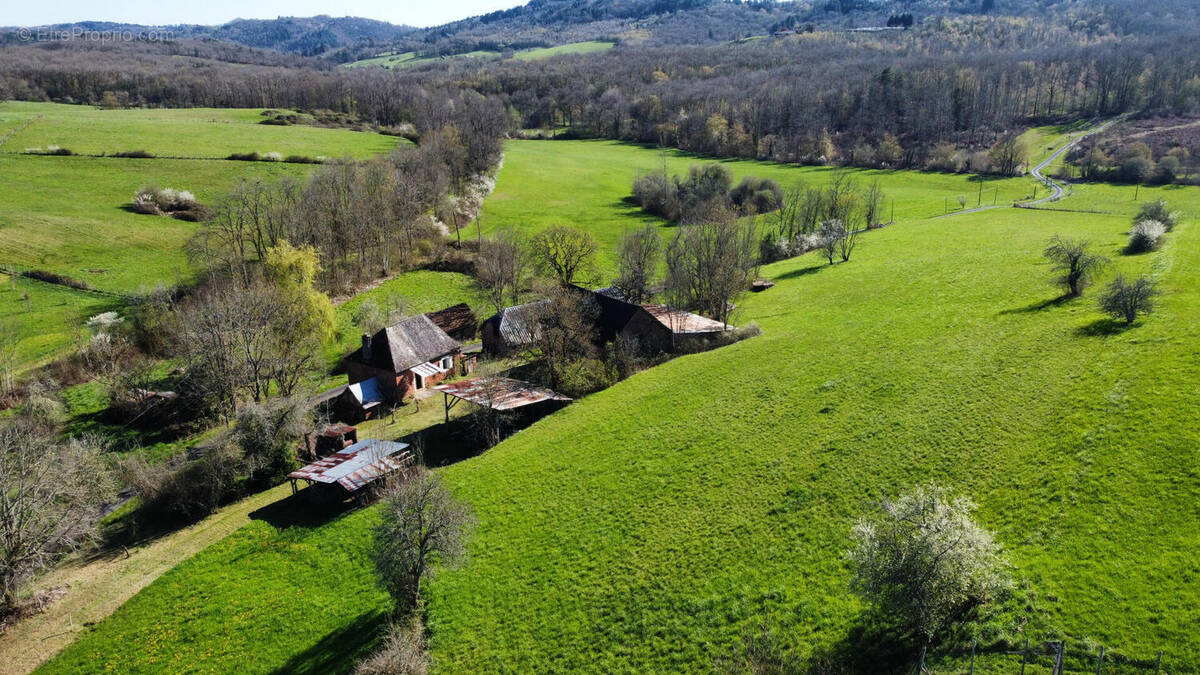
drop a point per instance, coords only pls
(422, 355)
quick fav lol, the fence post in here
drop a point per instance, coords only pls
(973, 643)
(1158, 663)
(1024, 656)
(1100, 661)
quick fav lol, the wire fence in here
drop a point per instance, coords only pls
(1055, 657)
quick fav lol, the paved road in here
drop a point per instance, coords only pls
(1056, 190)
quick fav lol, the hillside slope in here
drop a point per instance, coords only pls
(652, 526)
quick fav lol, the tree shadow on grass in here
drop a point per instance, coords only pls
(306, 508)
(341, 649)
(1103, 328)
(802, 272)
(1039, 306)
(866, 648)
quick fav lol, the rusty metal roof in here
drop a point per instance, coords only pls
(679, 321)
(357, 465)
(500, 393)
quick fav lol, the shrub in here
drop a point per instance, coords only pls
(272, 157)
(1136, 169)
(656, 193)
(156, 200)
(924, 562)
(1145, 236)
(301, 159)
(1077, 264)
(583, 376)
(56, 278)
(245, 157)
(1125, 300)
(757, 195)
(1157, 210)
(269, 436)
(182, 490)
(402, 653)
(134, 154)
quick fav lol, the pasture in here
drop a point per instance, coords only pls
(588, 183)
(392, 60)
(656, 525)
(189, 132)
(70, 215)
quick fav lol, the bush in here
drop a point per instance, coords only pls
(1157, 210)
(185, 491)
(1077, 264)
(1145, 236)
(402, 653)
(269, 436)
(757, 195)
(158, 201)
(272, 157)
(924, 562)
(245, 157)
(656, 193)
(134, 154)
(56, 278)
(583, 376)
(1125, 300)
(302, 159)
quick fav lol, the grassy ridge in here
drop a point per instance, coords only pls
(588, 183)
(650, 526)
(392, 60)
(191, 132)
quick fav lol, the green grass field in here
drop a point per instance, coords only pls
(191, 132)
(588, 183)
(651, 526)
(69, 215)
(392, 60)
(49, 319)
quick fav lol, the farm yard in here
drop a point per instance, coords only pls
(664, 522)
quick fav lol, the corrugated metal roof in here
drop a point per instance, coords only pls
(500, 393)
(520, 324)
(680, 321)
(357, 465)
(427, 369)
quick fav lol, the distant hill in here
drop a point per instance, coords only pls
(304, 36)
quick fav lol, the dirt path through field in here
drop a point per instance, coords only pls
(97, 588)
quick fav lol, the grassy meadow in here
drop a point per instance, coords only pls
(188, 132)
(70, 215)
(392, 60)
(653, 526)
(588, 184)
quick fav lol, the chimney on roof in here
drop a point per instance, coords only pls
(366, 348)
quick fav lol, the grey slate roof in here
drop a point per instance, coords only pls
(519, 325)
(406, 344)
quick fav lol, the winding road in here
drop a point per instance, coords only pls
(1056, 190)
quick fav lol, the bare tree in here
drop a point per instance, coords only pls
(565, 253)
(1126, 300)
(10, 338)
(710, 265)
(924, 561)
(501, 267)
(872, 204)
(567, 330)
(1008, 154)
(1076, 263)
(403, 651)
(422, 523)
(638, 258)
(50, 491)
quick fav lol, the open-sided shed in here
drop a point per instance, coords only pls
(497, 393)
(355, 467)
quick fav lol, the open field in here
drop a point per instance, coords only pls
(588, 184)
(392, 60)
(192, 132)
(652, 526)
(70, 215)
(48, 318)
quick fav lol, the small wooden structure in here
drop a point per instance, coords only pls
(497, 393)
(350, 469)
(331, 439)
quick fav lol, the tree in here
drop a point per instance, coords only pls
(1008, 154)
(872, 204)
(403, 651)
(501, 267)
(566, 253)
(269, 434)
(1076, 263)
(567, 330)
(293, 272)
(422, 524)
(924, 562)
(638, 258)
(50, 493)
(710, 265)
(831, 236)
(1125, 300)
